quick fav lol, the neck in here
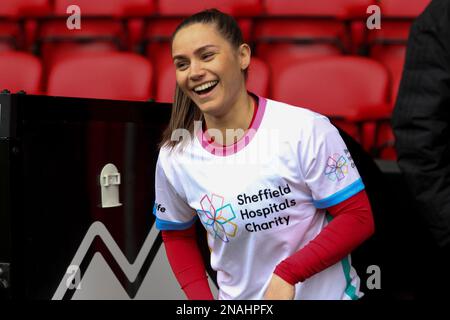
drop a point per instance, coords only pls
(234, 123)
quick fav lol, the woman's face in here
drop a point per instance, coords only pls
(208, 68)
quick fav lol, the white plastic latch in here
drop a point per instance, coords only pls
(109, 183)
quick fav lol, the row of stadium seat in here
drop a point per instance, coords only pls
(352, 90)
(283, 33)
(276, 56)
(340, 23)
(121, 8)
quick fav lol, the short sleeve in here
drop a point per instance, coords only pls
(328, 167)
(171, 210)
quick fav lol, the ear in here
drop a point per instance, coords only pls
(244, 56)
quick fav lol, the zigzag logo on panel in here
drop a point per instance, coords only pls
(89, 257)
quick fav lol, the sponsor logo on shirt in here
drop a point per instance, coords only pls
(217, 217)
(269, 215)
(158, 207)
(337, 167)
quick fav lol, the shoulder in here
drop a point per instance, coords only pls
(300, 119)
(283, 109)
(164, 155)
(167, 158)
(174, 160)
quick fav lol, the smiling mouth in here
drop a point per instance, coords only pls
(205, 88)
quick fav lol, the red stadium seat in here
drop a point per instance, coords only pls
(258, 77)
(12, 25)
(6, 45)
(9, 35)
(131, 10)
(52, 53)
(316, 8)
(122, 76)
(351, 90)
(102, 21)
(111, 8)
(237, 8)
(24, 8)
(160, 30)
(276, 55)
(384, 144)
(161, 56)
(100, 17)
(165, 83)
(391, 32)
(296, 29)
(388, 46)
(309, 20)
(101, 30)
(397, 16)
(393, 58)
(334, 86)
(403, 8)
(20, 71)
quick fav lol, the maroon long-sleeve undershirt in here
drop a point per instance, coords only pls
(351, 225)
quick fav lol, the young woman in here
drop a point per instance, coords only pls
(274, 185)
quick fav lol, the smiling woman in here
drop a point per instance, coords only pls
(215, 64)
(211, 71)
(267, 227)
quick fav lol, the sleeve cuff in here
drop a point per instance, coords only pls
(340, 196)
(170, 225)
(282, 270)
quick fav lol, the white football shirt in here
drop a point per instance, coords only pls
(261, 199)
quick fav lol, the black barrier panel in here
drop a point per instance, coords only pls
(5, 225)
(6, 148)
(51, 158)
(63, 145)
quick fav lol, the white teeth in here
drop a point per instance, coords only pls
(205, 86)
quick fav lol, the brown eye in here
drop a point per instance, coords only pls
(182, 65)
(207, 55)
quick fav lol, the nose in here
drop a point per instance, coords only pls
(196, 71)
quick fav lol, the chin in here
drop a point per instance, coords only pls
(208, 108)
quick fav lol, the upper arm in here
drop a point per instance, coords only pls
(171, 209)
(328, 168)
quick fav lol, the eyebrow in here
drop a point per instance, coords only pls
(180, 56)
